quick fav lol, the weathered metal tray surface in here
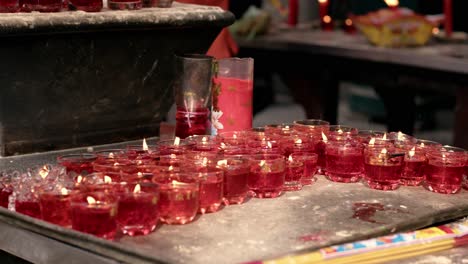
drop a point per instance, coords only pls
(323, 214)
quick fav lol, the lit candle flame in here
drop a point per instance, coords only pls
(298, 141)
(222, 145)
(234, 136)
(171, 168)
(176, 141)
(384, 136)
(392, 3)
(79, 179)
(290, 159)
(349, 22)
(64, 191)
(400, 136)
(340, 131)
(145, 146)
(262, 162)
(286, 127)
(204, 161)
(222, 162)
(327, 19)
(107, 179)
(173, 156)
(204, 139)
(91, 200)
(384, 151)
(372, 141)
(140, 174)
(111, 155)
(422, 145)
(324, 137)
(269, 145)
(116, 164)
(435, 31)
(137, 189)
(44, 171)
(412, 152)
(322, 1)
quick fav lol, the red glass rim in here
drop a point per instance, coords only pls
(312, 123)
(82, 157)
(266, 156)
(101, 198)
(343, 130)
(109, 153)
(423, 143)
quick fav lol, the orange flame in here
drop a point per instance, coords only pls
(91, 200)
(222, 162)
(111, 155)
(372, 141)
(204, 161)
(64, 191)
(107, 179)
(137, 189)
(324, 137)
(298, 141)
(176, 141)
(412, 152)
(269, 144)
(384, 136)
(392, 3)
(145, 146)
(290, 159)
(322, 1)
(79, 179)
(327, 19)
(171, 168)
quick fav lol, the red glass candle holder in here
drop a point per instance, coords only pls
(401, 140)
(344, 161)
(233, 138)
(296, 143)
(414, 165)
(175, 146)
(95, 213)
(211, 186)
(138, 209)
(349, 26)
(6, 189)
(28, 207)
(109, 154)
(124, 4)
(327, 23)
(264, 146)
(445, 169)
(233, 150)
(86, 5)
(178, 203)
(267, 175)
(9, 6)
(279, 129)
(364, 136)
(55, 205)
(236, 173)
(383, 167)
(204, 143)
(339, 132)
(310, 166)
(78, 164)
(171, 160)
(313, 126)
(41, 5)
(293, 174)
(112, 165)
(141, 151)
(427, 145)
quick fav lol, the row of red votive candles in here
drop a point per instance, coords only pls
(172, 181)
(12, 6)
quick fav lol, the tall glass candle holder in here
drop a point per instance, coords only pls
(267, 175)
(232, 95)
(344, 161)
(293, 174)
(95, 213)
(55, 205)
(138, 209)
(192, 88)
(445, 169)
(178, 202)
(383, 167)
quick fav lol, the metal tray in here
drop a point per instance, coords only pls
(323, 214)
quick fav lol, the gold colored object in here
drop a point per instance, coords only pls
(395, 28)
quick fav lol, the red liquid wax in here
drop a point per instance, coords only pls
(191, 123)
(235, 186)
(78, 167)
(55, 209)
(96, 220)
(138, 214)
(211, 195)
(29, 208)
(444, 179)
(293, 175)
(310, 169)
(4, 197)
(383, 177)
(235, 101)
(86, 5)
(266, 184)
(41, 5)
(9, 6)
(347, 167)
(366, 211)
(320, 151)
(124, 5)
(413, 172)
(178, 206)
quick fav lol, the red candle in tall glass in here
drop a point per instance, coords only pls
(55, 206)
(78, 164)
(445, 169)
(344, 161)
(267, 175)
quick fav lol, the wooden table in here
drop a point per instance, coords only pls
(314, 62)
